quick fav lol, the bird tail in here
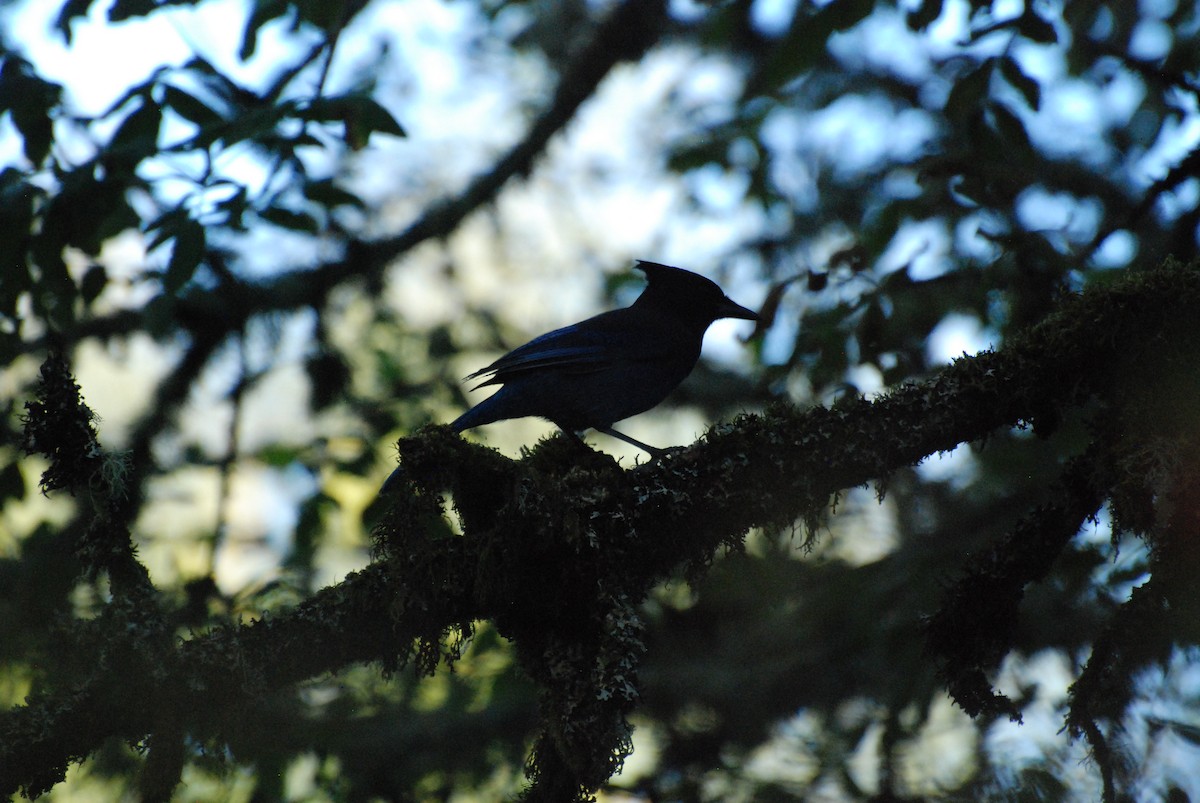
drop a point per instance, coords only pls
(485, 412)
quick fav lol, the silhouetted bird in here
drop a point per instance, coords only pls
(618, 364)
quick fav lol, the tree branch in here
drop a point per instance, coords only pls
(560, 547)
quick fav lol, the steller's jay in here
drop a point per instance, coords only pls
(594, 373)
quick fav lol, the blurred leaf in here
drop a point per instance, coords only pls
(158, 316)
(190, 107)
(697, 154)
(310, 526)
(186, 255)
(17, 201)
(770, 305)
(361, 115)
(94, 282)
(328, 376)
(12, 484)
(1030, 90)
(804, 44)
(85, 212)
(925, 15)
(136, 138)
(30, 101)
(234, 208)
(219, 84)
(1036, 29)
(1012, 131)
(278, 455)
(326, 193)
(166, 225)
(969, 92)
(290, 219)
(821, 346)
(264, 11)
(71, 9)
(54, 292)
(128, 9)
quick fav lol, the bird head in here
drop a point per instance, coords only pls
(688, 295)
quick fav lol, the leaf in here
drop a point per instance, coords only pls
(804, 44)
(1036, 29)
(128, 9)
(290, 219)
(692, 155)
(85, 212)
(17, 201)
(54, 292)
(925, 15)
(328, 376)
(190, 107)
(264, 12)
(70, 10)
(361, 115)
(330, 196)
(136, 137)
(12, 484)
(186, 256)
(969, 92)
(94, 282)
(167, 225)
(371, 118)
(1011, 130)
(30, 101)
(1030, 90)
(158, 316)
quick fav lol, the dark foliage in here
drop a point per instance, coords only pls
(530, 612)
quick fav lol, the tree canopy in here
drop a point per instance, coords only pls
(874, 572)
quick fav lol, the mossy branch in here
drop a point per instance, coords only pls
(558, 549)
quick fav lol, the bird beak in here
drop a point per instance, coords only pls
(728, 309)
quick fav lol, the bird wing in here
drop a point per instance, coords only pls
(572, 349)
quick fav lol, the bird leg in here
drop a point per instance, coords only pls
(653, 451)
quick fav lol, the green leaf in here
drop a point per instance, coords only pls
(186, 256)
(1030, 90)
(278, 455)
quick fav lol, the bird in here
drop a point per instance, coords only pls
(602, 370)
